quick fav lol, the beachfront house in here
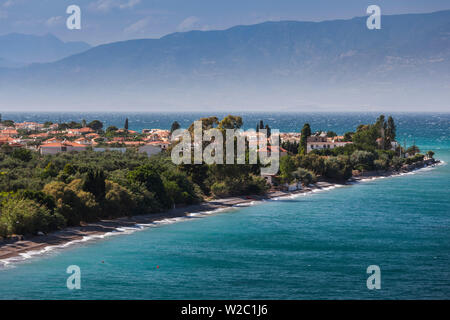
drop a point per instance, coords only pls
(321, 142)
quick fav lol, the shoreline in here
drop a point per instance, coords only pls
(19, 250)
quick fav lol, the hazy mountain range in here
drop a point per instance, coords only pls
(286, 65)
(22, 49)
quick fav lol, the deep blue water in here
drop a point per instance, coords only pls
(316, 246)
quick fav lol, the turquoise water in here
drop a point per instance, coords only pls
(314, 246)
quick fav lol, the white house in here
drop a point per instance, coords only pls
(55, 148)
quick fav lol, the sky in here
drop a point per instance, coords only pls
(105, 21)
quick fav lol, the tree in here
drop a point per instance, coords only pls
(125, 126)
(49, 171)
(366, 137)
(63, 126)
(381, 123)
(331, 134)
(25, 216)
(74, 125)
(390, 133)
(118, 200)
(231, 122)
(430, 154)
(83, 123)
(287, 166)
(362, 159)
(412, 150)
(95, 184)
(149, 177)
(95, 125)
(72, 203)
(207, 123)
(348, 136)
(175, 126)
(381, 126)
(291, 147)
(391, 129)
(8, 123)
(337, 168)
(305, 176)
(22, 154)
(69, 169)
(306, 132)
(111, 130)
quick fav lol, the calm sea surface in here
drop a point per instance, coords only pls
(315, 246)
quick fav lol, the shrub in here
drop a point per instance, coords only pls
(118, 200)
(337, 168)
(220, 189)
(24, 216)
(305, 176)
(364, 159)
(22, 154)
(381, 164)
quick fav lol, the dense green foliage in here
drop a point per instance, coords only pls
(222, 180)
(70, 188)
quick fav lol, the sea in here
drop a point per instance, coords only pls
(317, 245)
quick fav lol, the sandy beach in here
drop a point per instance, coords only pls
(19, 248)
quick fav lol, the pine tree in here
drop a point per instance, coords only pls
(391, 129)
(175, 126)
(306, 132)
(126, 124)
(95, 184)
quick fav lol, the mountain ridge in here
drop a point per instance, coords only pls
(303, 63)
(28, 48)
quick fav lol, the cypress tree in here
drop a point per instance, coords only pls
(306, 132)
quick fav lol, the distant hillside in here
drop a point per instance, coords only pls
(30, 48)
(284, 64)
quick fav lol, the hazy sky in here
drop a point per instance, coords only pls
(112, 20)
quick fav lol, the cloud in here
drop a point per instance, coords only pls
(8, 3)
(53, 21)
(138, 26)
(129, 4)
(3, 14)
(188, 23)
(107, 5)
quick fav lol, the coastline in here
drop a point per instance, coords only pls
(13, 251)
